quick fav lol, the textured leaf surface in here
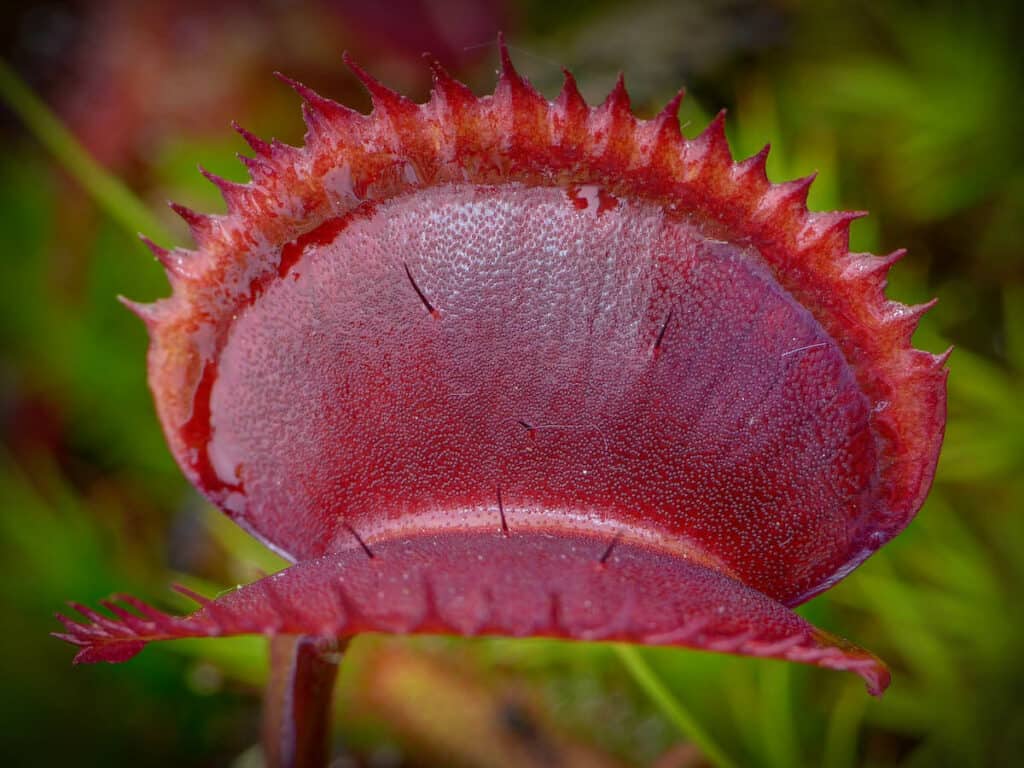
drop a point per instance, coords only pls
(442, 321)
(516, 584)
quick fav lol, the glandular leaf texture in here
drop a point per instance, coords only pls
(510, 366)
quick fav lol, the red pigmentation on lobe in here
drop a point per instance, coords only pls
(341, 399)
(515, 367)
(519, 584)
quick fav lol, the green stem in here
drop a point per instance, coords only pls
(670, 705)
(106, 190)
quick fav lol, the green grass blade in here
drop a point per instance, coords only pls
(780, 744)
(844, 724)
(670, 706)
(113, 197)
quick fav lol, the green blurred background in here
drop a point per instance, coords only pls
(910, 110)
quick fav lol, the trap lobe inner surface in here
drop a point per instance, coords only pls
(544, 359)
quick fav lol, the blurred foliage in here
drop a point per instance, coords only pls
(905, 108)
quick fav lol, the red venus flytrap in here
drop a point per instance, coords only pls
(515, 367)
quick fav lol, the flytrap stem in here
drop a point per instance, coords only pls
(297, 704)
